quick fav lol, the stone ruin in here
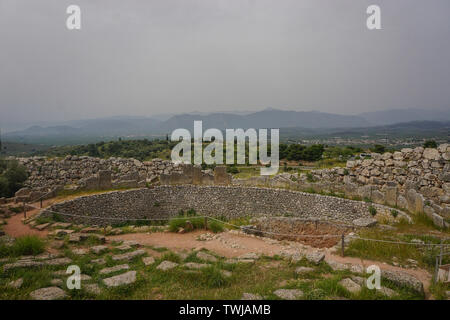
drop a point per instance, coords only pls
(417, 180)
(194, 175)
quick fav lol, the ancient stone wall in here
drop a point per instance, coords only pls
(414, 179)
(217, 201)
(92, 173)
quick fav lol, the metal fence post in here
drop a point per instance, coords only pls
(41, 202)
(206, 223)
(342, 244)
(24, 210)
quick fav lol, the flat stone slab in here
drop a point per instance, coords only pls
(62, 225)
(114, 269)
(251, 296)
(403, 279)
(315, 257)
(50, 293)
(194, 265)
(131, 243)
(148, 261)
(250, 255)
(166, 265)
(35, 263)
(16, 284)
(121, 279)
(42, 226)
(350, 285)
(99, 249)
(124, 247)
(99, 261)
(129, 255)
(387, 292)
(365, 222)
(206, 256)
(288, 294)
(92, 288)
(80, 251)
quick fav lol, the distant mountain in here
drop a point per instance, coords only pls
(295, 122)
(270, 118)
(394, 116)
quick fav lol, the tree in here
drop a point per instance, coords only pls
(12, 179)
(430, 144)
(378, 148)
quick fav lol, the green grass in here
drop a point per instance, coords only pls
(386, 252)
(23, 246)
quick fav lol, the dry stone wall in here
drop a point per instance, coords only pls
(417, 180)
(92, 173)
(163, 202)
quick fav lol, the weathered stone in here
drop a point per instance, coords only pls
(350, 285)
(129, 255)
(206, 256)
(166, 265)
(114, 269)
(289, 294)
(92, 288)
(148, 261)
(302, 270)
(121, 279)
(251, 296)
(403, 279)
(365, 222)
(16, 284)
(315, 257)
(99, 249)
(50, 293)
(194, 265)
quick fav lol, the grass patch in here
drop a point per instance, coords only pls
(23, 246)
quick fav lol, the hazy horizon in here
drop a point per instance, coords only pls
(155, 57)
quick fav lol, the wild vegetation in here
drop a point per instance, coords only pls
(12, 177)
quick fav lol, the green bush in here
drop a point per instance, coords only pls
(430, 144)
(12, 179)
(394, 213)
(372, 211)
(215, 226)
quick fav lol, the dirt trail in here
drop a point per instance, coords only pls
(15, 228)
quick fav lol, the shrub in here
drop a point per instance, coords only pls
(215, 226)
(430, 144)
(372, 211)
(394, 213)
(213, 277)
(309, 177)
(232, 170)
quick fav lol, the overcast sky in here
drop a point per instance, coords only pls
(170, 56)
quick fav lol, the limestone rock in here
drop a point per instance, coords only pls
(365, 222)
(403, 279)
(206, 256)
(289, 294)
(166, 265)
(50, 293)
(350, 285)
(148, 261)
(251, 296)
(129, 255)
(121, 279)
(115, 269)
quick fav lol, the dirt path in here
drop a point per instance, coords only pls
(15, 228)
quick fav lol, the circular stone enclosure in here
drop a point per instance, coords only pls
(164, 202)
